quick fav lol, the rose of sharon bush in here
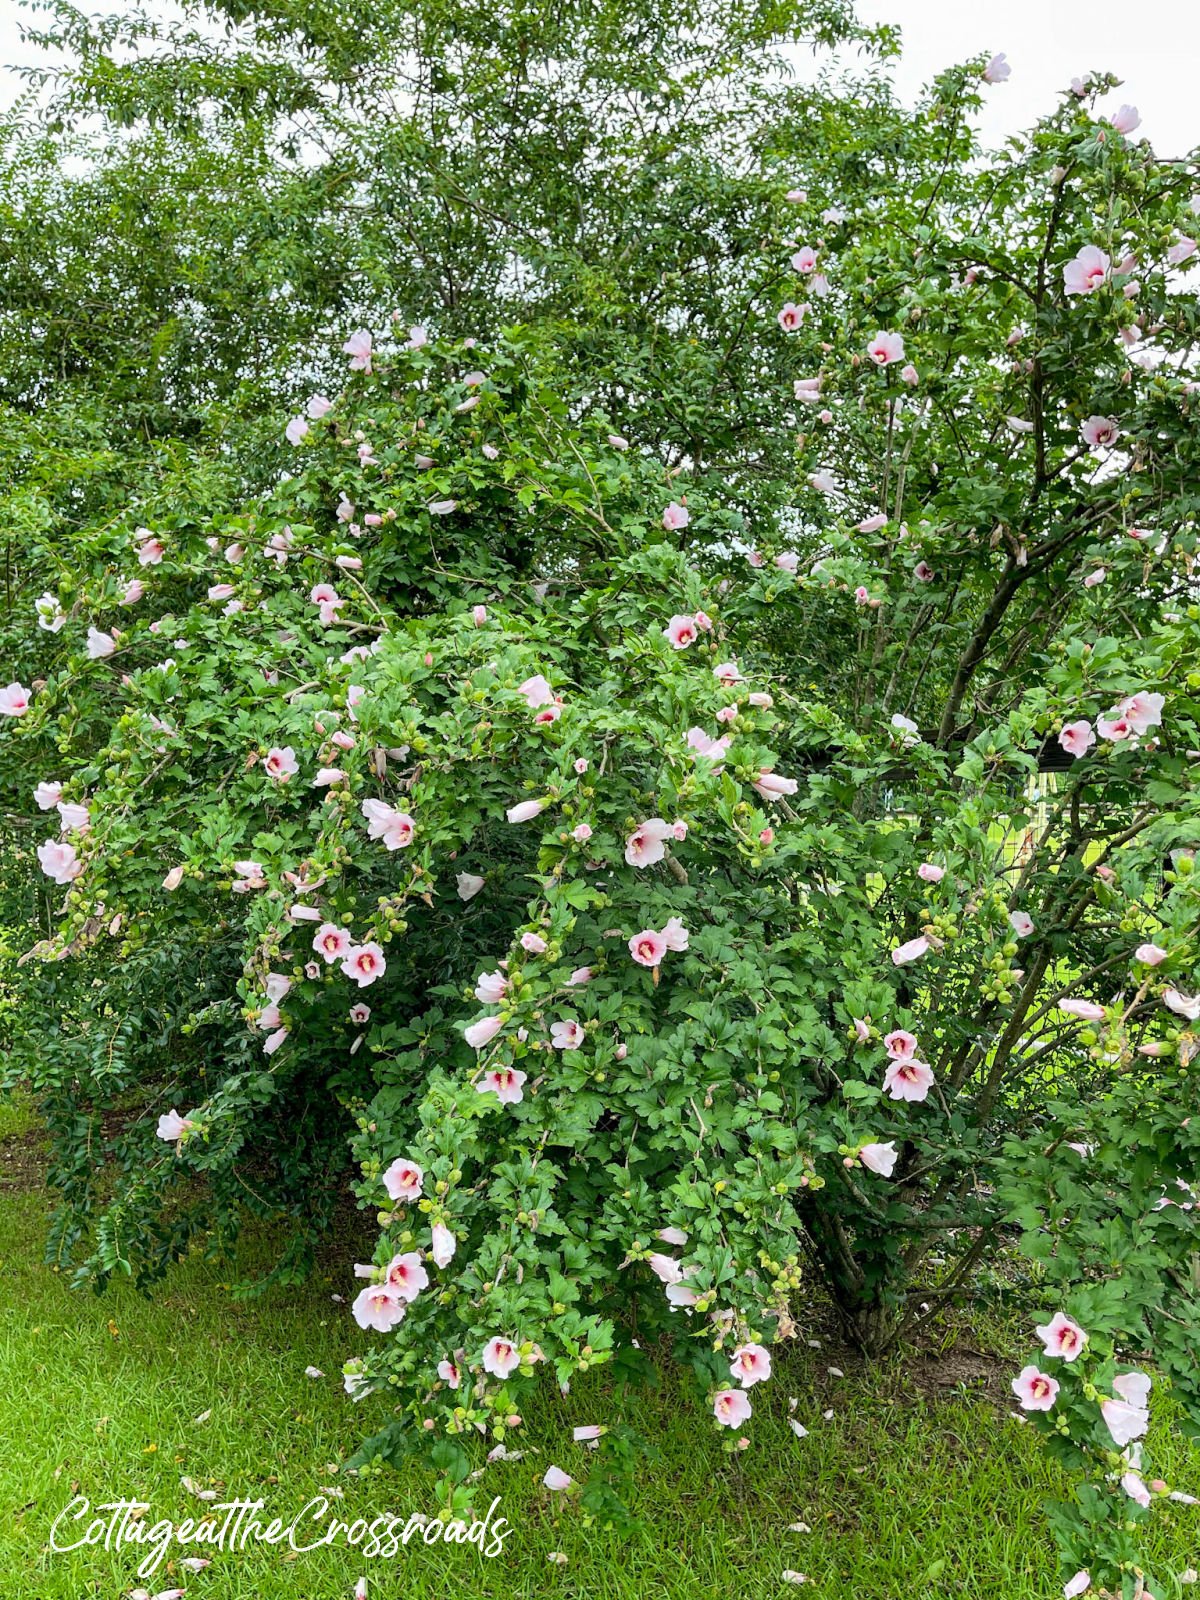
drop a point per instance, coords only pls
(730, 925)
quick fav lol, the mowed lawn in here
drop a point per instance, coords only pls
(919, 1482)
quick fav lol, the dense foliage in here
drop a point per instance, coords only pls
(694, 868)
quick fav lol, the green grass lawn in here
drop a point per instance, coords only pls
(914, 1485)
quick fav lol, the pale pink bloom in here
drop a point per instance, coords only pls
(1135, 1487)
(443, 1244)
(1018, 425)
(1141, 711)
(505, 1083)
(880, 1158)
(360, 1013)
(406, 1275)
(500, 1357)
(807, 390)
(99, 644)
(75, 818)
(59, 861)
(1035, 1391)
(534, 943)
(332, 942)
(277, 985)
(908, 1079)
(1100, 431)
(442, 508)
(771, 786)
(479, 615)
(862, 1030)
(1183, 1005)
(909, 375)
(1021, 923)
(751, 1364)
(1061, 1337)
(150, 552)
(318, 406)
(358, 348)
(648, 948)
(50, 614)
(525, 810)
(448, 1372)
(930, 873)
(647, 844)
(303, 913)
(1134, 1387)
(296, 430)
(923, 572)
(491, 988)
(395, 828)
(281, 763)
(1125, 120)
(672, 1235)
(617, 442)
(997, 69)
(805, 259)
(132, 593)
(702, 744)
(704, 622)
(791, 316)
(674, 934)
(1077, 738)
(587, 1433)
(1085, 272)
(173, 878)
(490, 451)
(862, 595)
(727, 674)
(680, 631)
(885, 348)
(675, 516)
(364, 963)
(567, 1034)
(727, 714)
(1079, 1584)
(731, 1407)
(327, 776)
(1087, 1010)
(1113, 727)
(581, 976)
(679, 830)
(404, 1180)
(1182, 250)
(537, 692)
(220, 591)
(913, 950)
(556, 1479)
(172, 1127)
(1150, 955)
(823, 482)
(1125, 1420)
(481, 1033)
(871, 524)
(581, 833)
(900, 1044)
(678, 1294)
(378, 1306)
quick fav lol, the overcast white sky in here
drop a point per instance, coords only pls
(1154, 45)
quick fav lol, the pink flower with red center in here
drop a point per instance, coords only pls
(332, 942)
(393, 827)
(1061, 1337)
(378, 1306)
(885, 348)
(567, 1034)
(1099, 432)
(900, 1044)
(1077, 738)
(1142, 711)
(150, 552)
(500, 1357)
(404, 1180)
(281, 763)
(923, 572)
(360, 1013)
(681, 631)
(505, 1083)
(731, 1407)
(676, 516)
(646, 845)
(908, 1079)
(805, 259)
(751, 1364)
(648, 948)
(1021, 923)
(14, 700)
(364, 963)
(791, 317)
(1035, 1391)
(406, 1275)
(449, 1373)
(1085, 273)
